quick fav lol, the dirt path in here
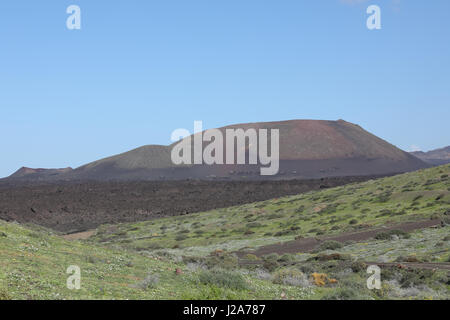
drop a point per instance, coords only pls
(408, 265)
(414, 265)
(309, 244)
(79, 235)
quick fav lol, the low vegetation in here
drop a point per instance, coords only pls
(194, 256)
(413, 196)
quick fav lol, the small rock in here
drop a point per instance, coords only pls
(178, 271)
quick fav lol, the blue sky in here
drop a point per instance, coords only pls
(137, 70)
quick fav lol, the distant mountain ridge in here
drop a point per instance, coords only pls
(28, 172)
(434, 157)
(308, 149)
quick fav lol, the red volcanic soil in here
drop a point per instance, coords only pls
(309, 244)
(72, 206)
(322, 139)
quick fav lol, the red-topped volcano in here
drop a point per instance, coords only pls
(308, 149)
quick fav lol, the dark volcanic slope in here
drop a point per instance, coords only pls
(29, 173)
(73, 206)
(435, 157)
(308, 149)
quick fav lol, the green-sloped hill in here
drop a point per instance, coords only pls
(33, 264)
(140, 260)
(413, 196)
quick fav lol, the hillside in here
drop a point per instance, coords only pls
(414, 196)
(33, 264)
(308, 149)
(192, 256)
(30, 173)
(73, 206)
(434, 157)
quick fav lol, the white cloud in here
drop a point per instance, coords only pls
(413, 148)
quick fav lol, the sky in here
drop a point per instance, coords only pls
(138, 70)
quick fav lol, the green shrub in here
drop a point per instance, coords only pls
(384, 212)
(271, 256)
(330, 245)
(342, 294)
(291, 277)
(154, 246)
(358, 266)
(383, 197)
(251, 256)
(150, 281)
(181, 237)
(248, 232)
(223, 278)
(274, 216)
(383, 236)
(271, 262)
(199, 232)
(93, 259)
(286, 258)
(284, 233)
(388, 234)
(439, 197)
(225, 260)
(401, 212)
(4, 295)
(254, 225)
(415, 277)
(331, 208)
(300, 209)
